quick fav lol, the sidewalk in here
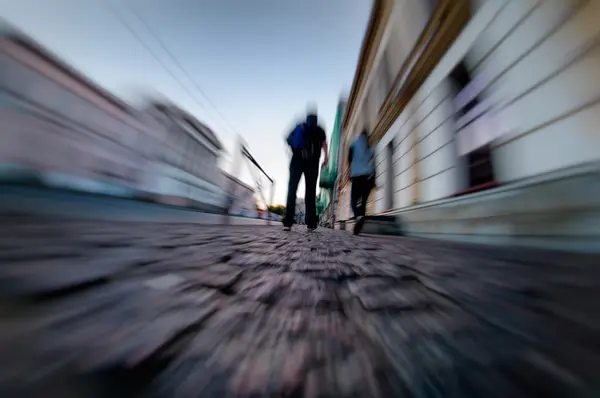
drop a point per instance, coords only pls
(181, 310)
(13, 175)
(43, 201)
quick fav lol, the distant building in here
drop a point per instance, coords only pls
(325, 208)
(300, 211)
(59, 126)
(185, 171)
(241, 194)
(329, 177)
(56, 121)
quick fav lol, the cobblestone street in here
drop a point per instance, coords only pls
(94, 309)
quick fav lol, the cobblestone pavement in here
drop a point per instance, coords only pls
(93, 309)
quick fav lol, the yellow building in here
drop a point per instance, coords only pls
(483, 115)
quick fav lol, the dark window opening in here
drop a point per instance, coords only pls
(389, 183)
(461, 78)
(480, 170)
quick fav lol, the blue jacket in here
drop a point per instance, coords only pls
(362, 158)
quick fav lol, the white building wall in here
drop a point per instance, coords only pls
(538, 58)
(435, 145)
(425, 132)
(345, 211)
(167, 180)
(547, 72)
(380, 179)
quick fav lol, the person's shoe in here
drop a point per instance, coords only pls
(287, 224)
(360, 221)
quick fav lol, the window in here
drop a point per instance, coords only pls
(481, 171)
(477, 160)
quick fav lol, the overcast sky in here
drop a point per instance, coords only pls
(260, 62)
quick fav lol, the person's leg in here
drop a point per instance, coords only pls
(361, 186)
(354, 196)
(364, 195)
(311, 173)
(360, 189)
(290, 207)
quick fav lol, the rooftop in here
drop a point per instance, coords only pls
(14, 35)
(237, 180)
(176, 111)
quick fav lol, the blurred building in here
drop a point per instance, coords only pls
(61, 129)
(483, 116)
(185, 170)
(328, 179)
(325, 208)
(60, 126)
(241, 195)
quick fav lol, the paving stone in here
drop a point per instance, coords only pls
(188, 310)
(376, 294)
(48, 275)
(119, 326)
(218, 276)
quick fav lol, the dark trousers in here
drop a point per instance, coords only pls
(361, 188)
(299, 166)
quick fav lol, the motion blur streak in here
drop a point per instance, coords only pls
(132, 265)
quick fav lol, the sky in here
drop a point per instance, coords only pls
(260, 63)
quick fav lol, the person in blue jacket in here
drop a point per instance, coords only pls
(362, 176)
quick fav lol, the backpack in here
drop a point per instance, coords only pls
(304, 139)
(296, 139)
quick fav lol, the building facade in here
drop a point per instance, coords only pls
(59, 127)
(185, 170)
(243, 201)
(483, 117)
(300, 211)
(55, 121)
(328, 179)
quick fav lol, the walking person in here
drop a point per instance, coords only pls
(362, 176)
(306, 141)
